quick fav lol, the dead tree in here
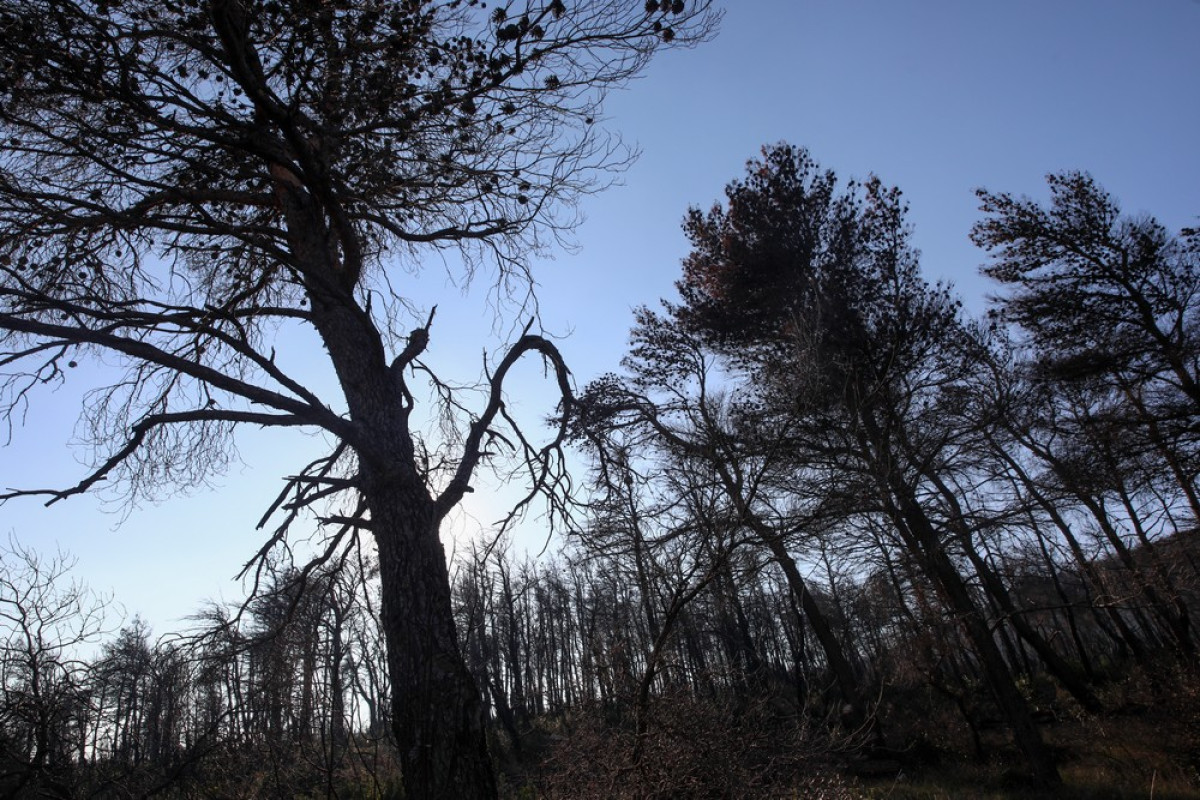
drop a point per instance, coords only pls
(183, 182)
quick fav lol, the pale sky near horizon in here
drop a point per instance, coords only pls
(937, 97)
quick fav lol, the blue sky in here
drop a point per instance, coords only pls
(937, 97)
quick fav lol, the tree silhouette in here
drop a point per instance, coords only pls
(846, 367)
(44, 703)
(184, 182)
(1099, 293)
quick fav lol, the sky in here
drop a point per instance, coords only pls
(937, 97)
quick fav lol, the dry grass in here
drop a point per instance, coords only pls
(693, 750)
(1147, 747)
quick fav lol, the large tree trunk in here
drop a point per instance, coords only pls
(437, 713)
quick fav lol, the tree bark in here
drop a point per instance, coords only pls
(437, 712)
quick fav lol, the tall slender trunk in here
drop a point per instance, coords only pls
(1177, 624)
(1066, 674)
(1125, 634)
(835, 655)
(1173, 618)
(921, 536)
(860, 718)
(337, 698)
(1169, 453)
(1066, 601)
(903, 508)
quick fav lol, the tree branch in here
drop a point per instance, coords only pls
(472, 447)
(138, 435)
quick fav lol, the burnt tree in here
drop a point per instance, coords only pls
(182, 182)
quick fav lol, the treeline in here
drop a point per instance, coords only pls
(286, 696)
(830, 520)
(991, 504)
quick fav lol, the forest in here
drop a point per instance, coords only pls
(819, 533)
(829, 524)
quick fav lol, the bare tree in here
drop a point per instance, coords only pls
(811, 296)
(182, 182)
(675, 402)
(44, 707)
